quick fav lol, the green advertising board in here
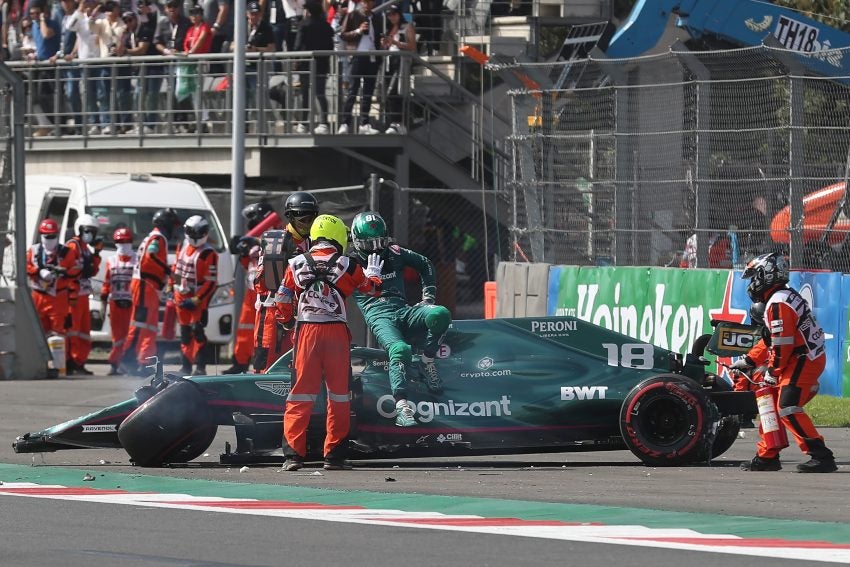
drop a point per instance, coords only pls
(668, 307)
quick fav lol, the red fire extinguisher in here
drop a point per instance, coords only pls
(773, 432)
(168, 319)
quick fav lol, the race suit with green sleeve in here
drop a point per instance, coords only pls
(396, 324)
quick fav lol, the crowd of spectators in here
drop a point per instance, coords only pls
(103, 99)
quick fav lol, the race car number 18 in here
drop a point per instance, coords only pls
(630, 355)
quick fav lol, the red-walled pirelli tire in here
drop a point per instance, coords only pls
(174, 426)
(668, 420)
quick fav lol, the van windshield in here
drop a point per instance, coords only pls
(140, 221)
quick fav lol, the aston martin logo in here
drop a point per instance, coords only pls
(759, 26)
(275, 387)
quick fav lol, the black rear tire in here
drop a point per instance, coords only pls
(174, 426)
(668, 420)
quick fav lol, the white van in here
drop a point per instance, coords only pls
(131, 200)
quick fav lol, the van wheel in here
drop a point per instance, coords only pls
(668, 420)
(174, 426)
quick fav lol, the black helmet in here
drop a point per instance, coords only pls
(300, 203)
(166, 220)
(757, 313)
(256, 212)
(765, 272)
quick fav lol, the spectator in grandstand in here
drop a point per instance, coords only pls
(218, 14)
(149, 84)
(755, 229)
(401, 36)
(109, 29)
(70, 111)
(362, 31)
(429, 20)
(198, 40)
(719, 251)
(339, 13)
(274, 14)
(293, 11)
(5, 21)
(260, 39)
(46, 34)
(315, 34)
(26, 47)
(170, 38)
(80, 22)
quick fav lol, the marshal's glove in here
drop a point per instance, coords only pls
(770, 379)
(245, 244)
(374, 266)
(742, 363)
(188, 304)
(234, 242)
(47, 275)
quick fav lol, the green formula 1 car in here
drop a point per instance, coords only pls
(510, 386)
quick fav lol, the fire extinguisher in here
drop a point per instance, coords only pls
(168, 319)
(773, 432)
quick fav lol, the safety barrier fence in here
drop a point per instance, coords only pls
(698, 157)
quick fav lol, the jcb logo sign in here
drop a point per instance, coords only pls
(732, 339)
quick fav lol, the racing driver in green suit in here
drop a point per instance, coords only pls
(394, 323)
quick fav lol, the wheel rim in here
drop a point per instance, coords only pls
(665, 422)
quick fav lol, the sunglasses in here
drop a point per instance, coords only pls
(294, 215)
(50, 236)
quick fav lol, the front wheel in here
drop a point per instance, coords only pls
(668, 420)
(173, 426)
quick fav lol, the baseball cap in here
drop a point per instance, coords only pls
(393, 9)
(254, 7)
(128, 14)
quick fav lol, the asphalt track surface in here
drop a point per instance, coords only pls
(607, 487)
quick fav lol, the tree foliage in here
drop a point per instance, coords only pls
(834, 13)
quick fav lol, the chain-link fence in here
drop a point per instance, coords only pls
(688, 158)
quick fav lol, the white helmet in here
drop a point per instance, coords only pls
(197, 230)
(86, 227)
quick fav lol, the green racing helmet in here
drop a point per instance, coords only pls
(369, 233)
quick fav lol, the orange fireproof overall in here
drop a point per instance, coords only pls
(149, 278)
(86, 265)
(796, 358)
(322, 343)
(116, 290)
